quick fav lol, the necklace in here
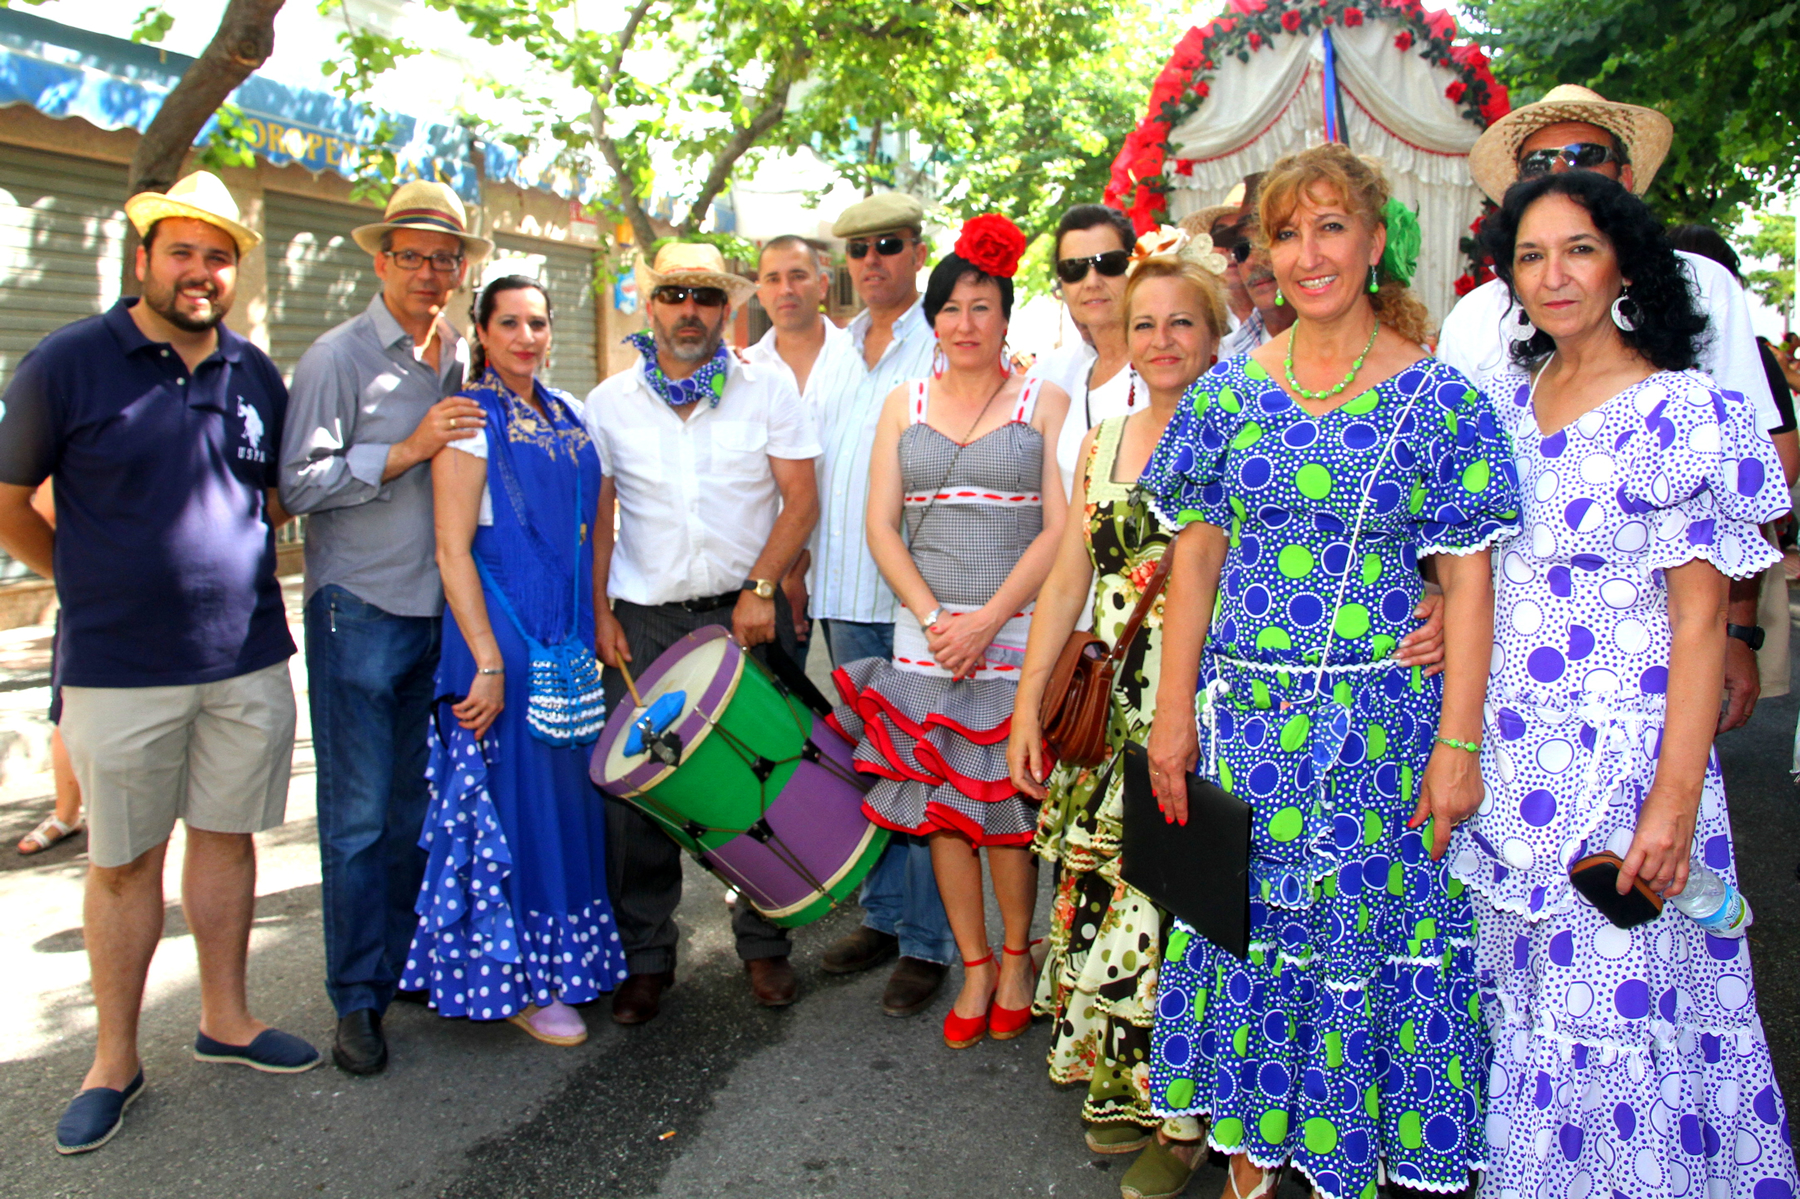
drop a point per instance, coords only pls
(1288, 366)
(986, 404)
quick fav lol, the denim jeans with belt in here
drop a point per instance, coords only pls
(369, 679)
(900, 895)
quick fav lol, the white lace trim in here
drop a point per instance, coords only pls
(1463, 551)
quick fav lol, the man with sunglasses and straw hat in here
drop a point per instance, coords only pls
(159, 426)
(368, 412)
(710, 460)
(1576, 128)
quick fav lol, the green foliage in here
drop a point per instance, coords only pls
(1773, 241)
(731, 246)
(1726, 73)
(152, 24)
(233, 142)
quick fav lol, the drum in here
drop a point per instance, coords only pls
(744, 777)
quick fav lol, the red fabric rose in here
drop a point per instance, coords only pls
(1441, 24)
(992, 243)
(1225, 24)
(1184, 166)
(1464, 284)
(1456, 91)
(1290, 20)
(1203, 89)
(1255, 40)
(1498, 102)
(1403, 40)
(1353, 17)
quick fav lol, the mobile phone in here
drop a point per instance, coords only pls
(1597, 878)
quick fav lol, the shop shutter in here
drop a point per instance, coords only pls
(318, 277)
(62, 242)
(568, 273)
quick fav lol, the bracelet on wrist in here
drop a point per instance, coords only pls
(493, 670)
(1473, 747)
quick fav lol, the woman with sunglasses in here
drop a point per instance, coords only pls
(515, 921)
(1309, 478)
(1099, 980)
(1093, 245)
(965, 509)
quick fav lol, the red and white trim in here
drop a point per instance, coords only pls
(1004, 658)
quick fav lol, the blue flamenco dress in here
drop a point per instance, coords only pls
(1350, 1041)
(514, 908)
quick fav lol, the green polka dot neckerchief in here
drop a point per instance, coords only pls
(708, 382)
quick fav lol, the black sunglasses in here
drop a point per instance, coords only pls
(887, 246)
(1112, 264)
(1582, 156)
(1241, 252)
(705, 297)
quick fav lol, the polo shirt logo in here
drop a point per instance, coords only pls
(252, 449)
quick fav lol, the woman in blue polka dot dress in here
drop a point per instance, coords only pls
(1626, 1061)
(1349, 1042)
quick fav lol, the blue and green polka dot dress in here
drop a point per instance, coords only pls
(1350, 1040)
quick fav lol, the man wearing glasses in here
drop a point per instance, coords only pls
(886, 344)
(710, 460)
(367, 411)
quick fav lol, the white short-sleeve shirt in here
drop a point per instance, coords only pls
(697, 498)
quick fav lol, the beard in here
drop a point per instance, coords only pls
(163, 300)
(688, 350)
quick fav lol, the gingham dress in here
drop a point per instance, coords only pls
(938, 746)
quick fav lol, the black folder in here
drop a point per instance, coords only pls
(1199, 871)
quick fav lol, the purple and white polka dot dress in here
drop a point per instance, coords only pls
(1626, 1062)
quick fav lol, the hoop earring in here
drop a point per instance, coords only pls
(1522, 329)
(1005, 361)
(939, 362)
(1625, 312)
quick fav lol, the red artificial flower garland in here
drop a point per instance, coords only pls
(991, 243)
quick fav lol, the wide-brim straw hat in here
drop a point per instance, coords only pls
(430, 208)
(1203, 221)
(201, 196)
(1647, 134)
(691, 264)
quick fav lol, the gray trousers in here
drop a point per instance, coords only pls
(643, 865)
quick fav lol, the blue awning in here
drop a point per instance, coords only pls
(116, 84)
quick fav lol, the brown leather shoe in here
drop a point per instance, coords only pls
(861, 950)
(772, 981)
(639, 997)
(911, 986)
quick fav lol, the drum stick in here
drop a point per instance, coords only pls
(630, 686)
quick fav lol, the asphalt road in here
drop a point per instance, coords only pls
(715, 1098)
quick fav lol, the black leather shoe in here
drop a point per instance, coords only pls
(861, 950)
(639, 997)
(360, 1048)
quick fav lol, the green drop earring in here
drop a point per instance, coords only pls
(1279, 298)
(1373, 285)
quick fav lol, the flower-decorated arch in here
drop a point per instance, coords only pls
(1248, 87)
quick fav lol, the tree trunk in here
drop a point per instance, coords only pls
(244, 41)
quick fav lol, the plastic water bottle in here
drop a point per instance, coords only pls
(1712, 903)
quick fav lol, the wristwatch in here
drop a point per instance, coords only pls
(764, 588)
(1750, 634)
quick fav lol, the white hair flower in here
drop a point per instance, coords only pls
(1172, 242)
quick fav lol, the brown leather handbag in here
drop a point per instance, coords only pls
(1078, 698)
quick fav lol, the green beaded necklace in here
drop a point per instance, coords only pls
(1288, 366)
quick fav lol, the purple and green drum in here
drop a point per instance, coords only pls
(744, 777)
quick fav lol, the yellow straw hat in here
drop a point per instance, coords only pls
(201, 196)
(1494, 160)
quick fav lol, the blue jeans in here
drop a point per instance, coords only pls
(369, 678)
(900, 895)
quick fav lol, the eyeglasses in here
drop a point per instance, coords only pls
(705, 297)
(887, 246)
(1583, 156)
(412, 260)
(1111, 264)
(1241, 252)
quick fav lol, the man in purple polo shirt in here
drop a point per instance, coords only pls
(160, 427)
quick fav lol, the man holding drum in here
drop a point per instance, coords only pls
(710, 460)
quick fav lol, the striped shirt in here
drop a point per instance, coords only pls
(845, 584)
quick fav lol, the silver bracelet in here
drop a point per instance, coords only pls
(495, 670)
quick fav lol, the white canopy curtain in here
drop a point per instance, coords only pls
(1394, 108)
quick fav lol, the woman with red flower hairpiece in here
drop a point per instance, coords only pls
(959, 526)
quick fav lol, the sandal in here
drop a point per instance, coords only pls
(1157, 1173)
(49, 832)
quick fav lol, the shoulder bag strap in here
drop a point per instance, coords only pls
(1152, 589)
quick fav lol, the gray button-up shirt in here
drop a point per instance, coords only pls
(357, 391)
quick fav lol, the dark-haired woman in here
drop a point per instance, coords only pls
(965, 508)
(514, 920)
(1626, 1061)
(1093, 244)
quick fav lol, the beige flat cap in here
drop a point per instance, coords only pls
(880, 213)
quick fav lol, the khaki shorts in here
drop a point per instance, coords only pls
(216, 755)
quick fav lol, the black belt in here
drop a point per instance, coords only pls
(711, 603)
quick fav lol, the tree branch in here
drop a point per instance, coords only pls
(641, 229)
(625, 38)
(244, 41)
(741, 141)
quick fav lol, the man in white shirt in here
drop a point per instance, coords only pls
(887, 344)
(792, 281)
(1573, 127)
(710, 462)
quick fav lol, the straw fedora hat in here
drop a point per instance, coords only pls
(1203, 221)
(201, 196)
(428, 206)
(1494, 161)
(691, 264)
